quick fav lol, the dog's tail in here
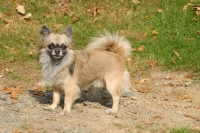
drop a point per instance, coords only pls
(112, 43)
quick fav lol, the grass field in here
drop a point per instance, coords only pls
(167, 32)
(161, 32)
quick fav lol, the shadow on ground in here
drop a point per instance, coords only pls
(101, 96)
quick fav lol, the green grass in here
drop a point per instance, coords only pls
(183, 130)
(176, 29)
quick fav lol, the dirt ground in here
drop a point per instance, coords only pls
(165, 100)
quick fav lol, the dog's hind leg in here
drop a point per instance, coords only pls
(113, 87)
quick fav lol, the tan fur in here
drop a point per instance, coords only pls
(101, 64)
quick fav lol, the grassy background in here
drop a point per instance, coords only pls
(160, 25)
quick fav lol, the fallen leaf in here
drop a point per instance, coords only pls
(13, 96)
(187, 77)
(196, 8)
(75, 19)
(176, 53)
(143, 81)
(133, 82)
(95, 11)
(144, 90)
(191, 39)
(20, 9)
(198, 32)
(158, 118)
(192, 117)
(160, 10)
(154, 32)
(145, 34)
(186, 6)
(181, 97)
(27, 16)
(152, 63)
(173, 60)
(136, 1)
(8, 21)
(2, 75)
(169, 78)
(17, 131)
(100, 25)
(198, 13)
(141, 48)
(148, 123)
(189, 82)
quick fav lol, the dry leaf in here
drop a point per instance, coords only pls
(152, 63)
(20, 9)
(181, 97)
(13, 96)
(133, 82)
(27, 16)
(187, 77)
(197, 13)
(173, 60)
(146, 34)
(160, 10)
(148, 123)
(169, 77)
(191, 39)
(192, 117)
(198, 32)
(158, 118)
(141, 48)
(176, 53)
(144, 90)
(189, 82)
(95, 11)
(143, 81)
(154, 32)
(100, 25)
(75, 19)
(196, 8)
(136, 1)
(186, 6)
(2, 75)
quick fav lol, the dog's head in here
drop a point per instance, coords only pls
(56, 45)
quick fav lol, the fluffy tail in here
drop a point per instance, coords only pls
(112, 43)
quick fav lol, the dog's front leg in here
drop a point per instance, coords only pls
(71, 94)
(56, 100)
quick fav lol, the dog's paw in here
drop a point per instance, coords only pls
(110, 111)
(65, 112)
(49, 107)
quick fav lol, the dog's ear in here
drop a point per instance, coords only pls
(44, 31)
(68, 32)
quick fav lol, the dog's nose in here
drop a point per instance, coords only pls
(57, 51)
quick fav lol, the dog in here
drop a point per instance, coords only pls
(101, 64)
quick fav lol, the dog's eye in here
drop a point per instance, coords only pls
(51, 46)
(63, 47)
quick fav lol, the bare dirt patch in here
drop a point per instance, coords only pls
(163, 101)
